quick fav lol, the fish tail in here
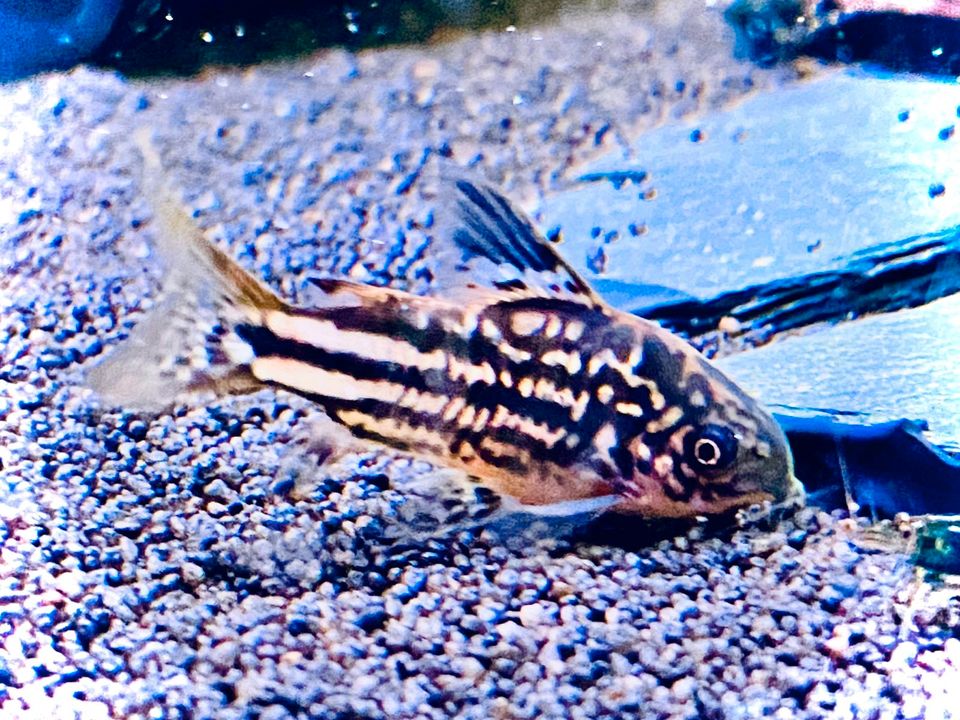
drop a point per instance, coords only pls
(185, 343)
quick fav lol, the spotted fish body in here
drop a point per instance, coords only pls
(531, 385)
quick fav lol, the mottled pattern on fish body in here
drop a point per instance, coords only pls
(544, 399)
(527, 381)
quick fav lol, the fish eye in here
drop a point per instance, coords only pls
(712, 447)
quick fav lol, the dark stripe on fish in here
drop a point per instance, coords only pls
(479, 350)
(266, 344)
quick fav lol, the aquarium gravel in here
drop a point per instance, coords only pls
(219, 562)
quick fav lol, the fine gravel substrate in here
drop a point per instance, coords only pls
(211, 563)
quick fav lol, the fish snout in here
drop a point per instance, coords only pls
(773, 466)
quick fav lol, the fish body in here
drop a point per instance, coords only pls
(531, 385)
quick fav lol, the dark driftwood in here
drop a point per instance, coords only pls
(883, 278)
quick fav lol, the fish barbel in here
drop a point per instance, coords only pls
(530, 384)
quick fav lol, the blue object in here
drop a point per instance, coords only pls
(887, 467)
(40, 35)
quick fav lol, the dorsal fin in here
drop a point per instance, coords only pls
(483, 241)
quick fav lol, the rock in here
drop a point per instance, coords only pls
(41, 37)
(919, 38)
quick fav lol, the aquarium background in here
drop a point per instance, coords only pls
(760, 177)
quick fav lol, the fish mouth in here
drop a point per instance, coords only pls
(791, 494)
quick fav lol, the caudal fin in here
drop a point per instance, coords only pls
(185, 342)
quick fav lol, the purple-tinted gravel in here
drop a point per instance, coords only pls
(196, 565)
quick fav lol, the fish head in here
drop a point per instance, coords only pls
(738, 454)
(710, 447)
